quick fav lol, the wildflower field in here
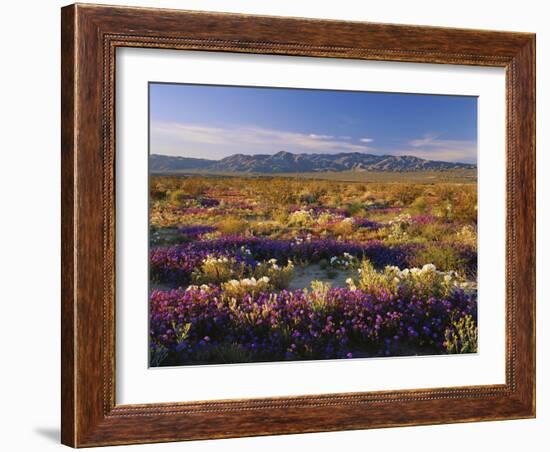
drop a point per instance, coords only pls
(249, 269)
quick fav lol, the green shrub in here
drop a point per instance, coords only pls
(405, 194)
(280, 216)
(194, 186)
(426, 281)
(356, 208)
(467, 235)
(462, 336)
(343, 228)
(435, 232)
(419, 205)
(157, 354)
(319, 294)
(238, 288)
(301, 218)
(279, 277)
(157, 193)
(232, 226)
(216, 270)
(441, 255)
(178, 196)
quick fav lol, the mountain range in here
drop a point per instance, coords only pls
(288, 162)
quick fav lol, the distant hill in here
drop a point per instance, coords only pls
(287, 162)
(165, 163)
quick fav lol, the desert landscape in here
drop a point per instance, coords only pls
(302, 224)
(269, 267)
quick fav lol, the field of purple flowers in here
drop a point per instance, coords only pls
(251, 269)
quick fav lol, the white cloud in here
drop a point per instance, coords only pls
(445, 155)
(431, 147)
(428, 139)
(321, 137)
(195, 140)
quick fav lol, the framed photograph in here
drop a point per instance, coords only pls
(282, 225)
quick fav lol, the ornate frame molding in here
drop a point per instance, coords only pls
(90, 37)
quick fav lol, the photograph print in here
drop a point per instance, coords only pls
(298, 224)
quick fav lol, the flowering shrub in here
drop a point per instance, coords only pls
(445, 211)
(230, 249)
(423, 282)
(279, 276)
(178, 262)
(325, 323)
(327, 219)
(215, 270)
(344, 261)
(467, 235)
(403, 218)
(447, 257)
(319, 295)
(399, 228)
(220, 269)
(163, 215)
(318, 211)
(300, 218)
(423, 219)
(239, 288)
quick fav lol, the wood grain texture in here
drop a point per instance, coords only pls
(90, 36)
(67, 226)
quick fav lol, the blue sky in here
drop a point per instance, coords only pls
(216, 121)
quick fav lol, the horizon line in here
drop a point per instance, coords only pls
(313, 153)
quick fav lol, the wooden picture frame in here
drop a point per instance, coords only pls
(90, 36)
